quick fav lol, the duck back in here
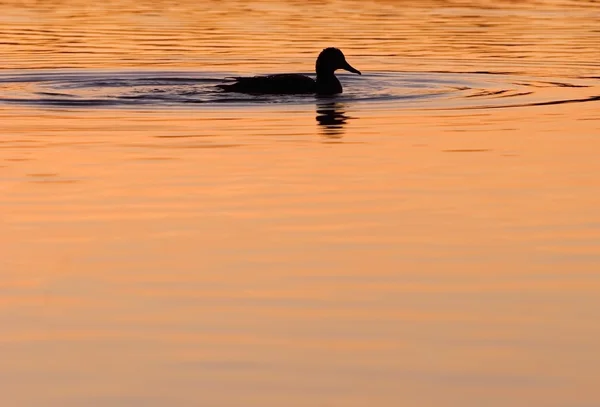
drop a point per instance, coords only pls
(272, 84)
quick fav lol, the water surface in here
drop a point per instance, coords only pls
(429, 238)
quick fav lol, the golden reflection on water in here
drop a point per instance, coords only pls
(330, 253)
(558, 37)
(285, 269)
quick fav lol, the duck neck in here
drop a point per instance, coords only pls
(327, 83)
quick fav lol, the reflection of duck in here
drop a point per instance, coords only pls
(332, 117)
(329, 60)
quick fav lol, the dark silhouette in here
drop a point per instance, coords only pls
(329, 60)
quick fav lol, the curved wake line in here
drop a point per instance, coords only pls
(548, 103)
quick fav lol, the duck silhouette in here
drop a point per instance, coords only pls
(329, 60)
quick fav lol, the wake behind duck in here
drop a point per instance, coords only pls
(329, 60)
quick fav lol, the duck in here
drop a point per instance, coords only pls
(328, 61)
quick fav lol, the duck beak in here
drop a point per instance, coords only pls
(349, 68)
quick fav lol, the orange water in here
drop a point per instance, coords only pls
(445, 253)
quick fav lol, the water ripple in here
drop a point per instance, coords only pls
(404, 90)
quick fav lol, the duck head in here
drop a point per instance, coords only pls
(331, 59)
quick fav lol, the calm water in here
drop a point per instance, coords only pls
(429, 238)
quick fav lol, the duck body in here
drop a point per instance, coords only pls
(329, 60)
(279, 84)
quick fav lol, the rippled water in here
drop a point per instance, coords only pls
(430, 91)
(431, 237)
